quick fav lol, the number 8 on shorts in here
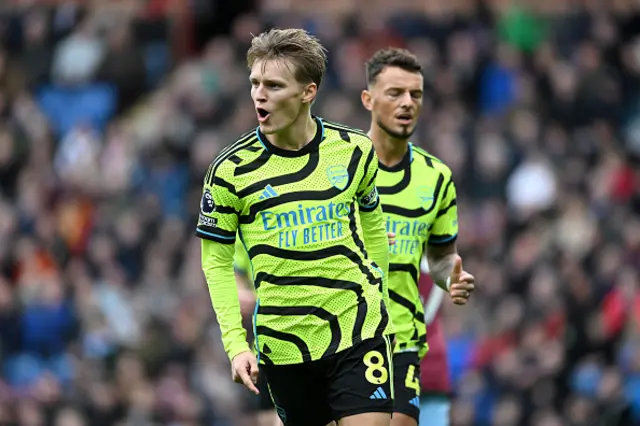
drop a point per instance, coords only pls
(376, 372)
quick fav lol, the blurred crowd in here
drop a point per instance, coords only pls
(105, 138)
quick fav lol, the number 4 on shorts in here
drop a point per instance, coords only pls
(411, 381)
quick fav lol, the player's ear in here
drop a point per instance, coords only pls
(310, 92)
(367, 101)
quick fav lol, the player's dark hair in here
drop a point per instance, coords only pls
(391, 57)
(295, 45)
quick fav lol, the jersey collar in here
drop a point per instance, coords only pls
(403, 164)
(311, 146)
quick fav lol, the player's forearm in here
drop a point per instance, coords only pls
(217, 264)
(241, 279)
(376, 243)
(441, 260)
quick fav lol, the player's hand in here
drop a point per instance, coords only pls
(244, 369)
(462, 283)
(392, 238)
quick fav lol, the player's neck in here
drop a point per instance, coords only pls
(390, 150)
(297, 135)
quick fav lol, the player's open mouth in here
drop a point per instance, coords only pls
(263, 114)
(404, 118)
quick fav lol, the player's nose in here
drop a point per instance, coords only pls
(406, 101)
(259, 94)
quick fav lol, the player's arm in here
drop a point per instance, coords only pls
(244, 273)
(217, 226)
(441, 247)
(241, 279)
(242, 265)
(375, 235)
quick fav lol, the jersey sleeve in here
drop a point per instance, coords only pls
(368, 198)
(217, 226)
(445, 227)
(373, 224)
(219, 209)
(217, 264)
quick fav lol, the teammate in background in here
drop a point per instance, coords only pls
(418, 198)
(435, 383)
(301, 193)
(260, 410)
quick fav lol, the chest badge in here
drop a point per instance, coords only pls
(338, 176)
(425, 196)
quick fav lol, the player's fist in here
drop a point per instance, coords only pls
(244, 369)
(462, 283)
(392, 238)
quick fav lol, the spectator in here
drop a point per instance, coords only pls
(36, 51)
(123, 65)
(77, 57)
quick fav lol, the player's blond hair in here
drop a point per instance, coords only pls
(299, 47)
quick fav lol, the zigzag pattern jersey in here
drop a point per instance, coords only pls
(418, 198)
(298, 215)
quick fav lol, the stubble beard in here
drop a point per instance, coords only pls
(406, 133)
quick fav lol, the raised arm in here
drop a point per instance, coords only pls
(441, 247)
(444, 261)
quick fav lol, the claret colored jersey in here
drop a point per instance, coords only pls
(312, 226)
(418, 198)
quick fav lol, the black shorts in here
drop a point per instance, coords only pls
(353, 381)
(262, 402)
(265, 403)
(406, 380)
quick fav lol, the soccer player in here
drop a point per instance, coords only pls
(418, 198)
(301, 194)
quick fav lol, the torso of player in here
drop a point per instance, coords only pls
(409, 193)
(299, 221)
(303, 210)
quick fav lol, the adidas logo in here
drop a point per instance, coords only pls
(268, 192)
(415, 402)
(378, 394)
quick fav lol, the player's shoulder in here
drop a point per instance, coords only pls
(431, 161)
(339, 131)
(235, 154)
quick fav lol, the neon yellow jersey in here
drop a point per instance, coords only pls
(314, 232)
(418, 198)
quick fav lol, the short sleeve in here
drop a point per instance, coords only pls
(445, 227)
(367, 193)
(219, 209)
